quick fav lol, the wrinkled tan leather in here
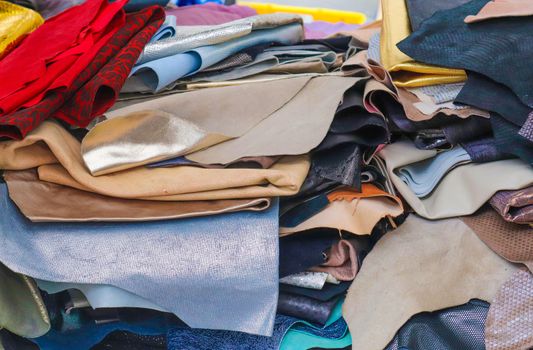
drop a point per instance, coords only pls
(46, 201)
(502, 8)
(463, 190)
(404, 70)
(509, 324)
(23, 311)
(421, 266)
(179, 183)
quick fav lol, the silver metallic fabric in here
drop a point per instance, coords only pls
(225, 265)
(311, 280)
(190, 37)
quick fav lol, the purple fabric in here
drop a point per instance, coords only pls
(320, 29)
(209, 14)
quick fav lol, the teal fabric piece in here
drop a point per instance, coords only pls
(296, 339)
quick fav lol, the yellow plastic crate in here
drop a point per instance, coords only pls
(319, 14)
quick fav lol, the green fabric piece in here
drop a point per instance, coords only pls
(22, 311)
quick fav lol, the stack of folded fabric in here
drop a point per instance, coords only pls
(204, 177)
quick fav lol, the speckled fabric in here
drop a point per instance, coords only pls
(509, 323)
(514, 206)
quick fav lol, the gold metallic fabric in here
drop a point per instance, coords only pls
(404, 70)
(15, 23)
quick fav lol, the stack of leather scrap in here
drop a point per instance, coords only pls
(206, 177)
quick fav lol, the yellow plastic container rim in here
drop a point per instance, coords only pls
(318, 14)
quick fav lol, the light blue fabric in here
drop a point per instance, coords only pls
(160, 73)
(101, 295)
(224, 265)
(167, 29)
(424, 176)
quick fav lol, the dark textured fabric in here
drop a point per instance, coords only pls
(444, 40)
(303, 250)
(484, 150)
(304, 308)
(130, 341)
(508, 115)
(336, 44)
(460, 327)
(136, 5)
(327, 292)
(296, 215)
(205, 339)
(420, 10)
(95, 88)
(10, 341)
(86, 327)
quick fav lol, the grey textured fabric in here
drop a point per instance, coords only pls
(226, 266)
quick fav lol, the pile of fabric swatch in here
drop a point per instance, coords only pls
(204, 177)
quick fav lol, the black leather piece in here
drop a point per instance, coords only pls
(444, 39)
(120, 340)
(11, 341)
(420, 10)
(460, 327)
(337, 44)
(304, 308)
(328, 292)
(299, 252)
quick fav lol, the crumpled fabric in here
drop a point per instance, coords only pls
(502, 8)
(15, 23)
(509, 324)
(231, 258)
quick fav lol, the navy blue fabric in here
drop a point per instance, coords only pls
(303, 250)
(501, 48)
(129, 341)
(203, 339)
(328, 292)
(303, 211)
(420, 10)
(304, 308)
(484, 150)
(79, 326)
(461, 327)
(508, 140)
(136, 5)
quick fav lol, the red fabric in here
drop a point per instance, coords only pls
(95, 88)
(55, 53)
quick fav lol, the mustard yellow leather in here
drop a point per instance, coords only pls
(15, 23)
(405, 71)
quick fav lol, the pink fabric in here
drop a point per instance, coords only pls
(209, 14)
(502, 8)
(320, 30)
(342, 261)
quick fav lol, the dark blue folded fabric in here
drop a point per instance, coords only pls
(136, 5)
(420, 10)
(296, 215)
(501, 48)
(303, 250)
(484, 150)
(202, 339)
(87, 327)
(460, 327)
(120, 340)
(304, 308)
(508, 140)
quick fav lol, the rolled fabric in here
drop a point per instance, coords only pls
(15, 23)
(305, 308)
(409, 261)
(514, 206)
(422, 177)
(173, 262)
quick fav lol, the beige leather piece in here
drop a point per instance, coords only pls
(421, 266)
(463, 190)
(179, 183)
(296, 128)
(502, 8)
(407, 72)
(44, 201)
(358, 216)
